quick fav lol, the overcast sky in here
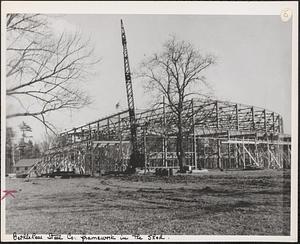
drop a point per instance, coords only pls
(253, 60)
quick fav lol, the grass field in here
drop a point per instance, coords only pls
(213, 203)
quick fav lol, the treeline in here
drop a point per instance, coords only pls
(23, 149)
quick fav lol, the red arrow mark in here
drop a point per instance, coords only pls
(8, 193)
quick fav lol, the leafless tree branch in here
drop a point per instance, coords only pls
(43, 69)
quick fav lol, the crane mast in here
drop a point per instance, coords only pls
(133, 126)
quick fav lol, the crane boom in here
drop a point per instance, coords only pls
(133, 126)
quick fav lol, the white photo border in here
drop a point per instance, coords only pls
(167, 7)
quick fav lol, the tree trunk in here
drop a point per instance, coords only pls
(180, 151)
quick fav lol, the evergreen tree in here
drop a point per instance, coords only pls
(9, 157)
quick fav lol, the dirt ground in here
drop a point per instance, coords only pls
(212, 203)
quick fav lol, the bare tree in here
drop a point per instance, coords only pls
(43, 68)
(175, 73)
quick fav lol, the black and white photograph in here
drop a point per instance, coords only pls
(149, 121)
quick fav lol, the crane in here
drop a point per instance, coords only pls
(135, 154)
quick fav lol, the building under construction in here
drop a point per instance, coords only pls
(216, 134)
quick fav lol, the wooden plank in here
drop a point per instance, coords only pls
(109, 142)
(251, 156)
(275, 159)
(253, 142)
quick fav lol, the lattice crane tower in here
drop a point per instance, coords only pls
(133, 126)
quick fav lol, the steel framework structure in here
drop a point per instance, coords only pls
(218, 134)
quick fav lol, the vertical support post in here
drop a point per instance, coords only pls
(269, 155)
(165, 162)
(98, 129)
(217, 114)
(92, 159)
(278, 119)
(194, 136)
(108, 129)
(219, 154)
(237, 117)
(145, 149)
(66, 161)
(289, 155)
(244, 156)
(279, 154)
(228, 150)
(281, 125)
(74, 162)
(120, 137)
(90, 132)
(204, 157)
(256, 151)
(166, 150)
(74, 136)
(273, 121)
(236, 156)
(253, 117)
(89, 152)
(195, 152)
(99, 163)
(163, 152)
(265, 120)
